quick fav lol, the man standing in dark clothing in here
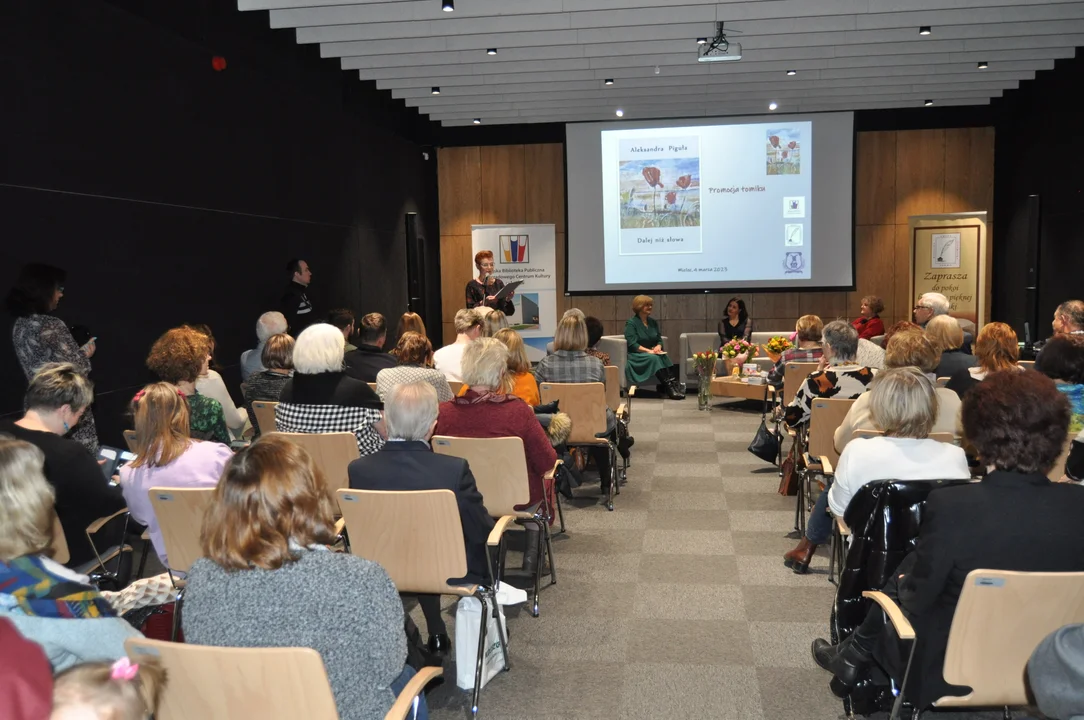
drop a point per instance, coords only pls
(370, 358)
(295, 303)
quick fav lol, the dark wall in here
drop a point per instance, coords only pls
(173, 193)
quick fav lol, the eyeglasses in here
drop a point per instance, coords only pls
(923, 307)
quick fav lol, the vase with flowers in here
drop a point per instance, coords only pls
(736, 353)
(704, 362)
(776, 347)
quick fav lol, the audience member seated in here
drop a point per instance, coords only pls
(647, 359)
(210, 384)
(268, 578)
(120, 690)
(907, 349)
(929, 306)
(179, 357)
(902, 404)
(1069, 318)
(869, 324)
(494, 322)
(807, 347)
(1014, 519)
(58, 395)
(269, 324)
(370, 357)
(321, 398)
(737, 324)
(485, 411)
(901, 326)
(408, 463)
(415, 357)
(48, 603)
(166, 456)
(1062, 360)
(996, 349)
(39, 337)
(947, 336)
(449, 359)
(594, 334)
(343, 319)
(278, 359)
(523, 383)
(410, 322)
(839, 377)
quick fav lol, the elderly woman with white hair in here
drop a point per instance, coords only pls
(903, 405)
(840, 375)
(270, 324)
(321, 398)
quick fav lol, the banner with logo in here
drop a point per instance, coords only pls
(527, 253)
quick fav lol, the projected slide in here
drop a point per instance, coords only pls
(708, 204)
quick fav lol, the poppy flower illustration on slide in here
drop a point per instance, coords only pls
(685, 181)
(774, 140)
(653, 176)
(671, 197)
(792, 144)
(782, 151)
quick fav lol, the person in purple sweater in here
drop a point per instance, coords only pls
(166, 455)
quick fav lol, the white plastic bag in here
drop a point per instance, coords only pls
(468, 617)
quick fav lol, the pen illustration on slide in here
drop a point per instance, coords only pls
(660, 193)
(783, 151)
(514, 249)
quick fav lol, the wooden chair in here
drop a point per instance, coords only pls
(820, 456)
(621, 410)
(97, 569)
(372, 386)
(264, 410)
(417, 538)
(216, 683)
(179, 512)
(794, 374)
(332, 453)
(1000, 619)
(499, 466)
(129, 439)
(942, 381)
(585, 403)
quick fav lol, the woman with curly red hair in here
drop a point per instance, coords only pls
(179, 357)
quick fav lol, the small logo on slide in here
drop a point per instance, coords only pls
(514, 249)
(794, 263)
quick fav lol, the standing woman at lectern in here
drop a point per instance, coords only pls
(480, 290)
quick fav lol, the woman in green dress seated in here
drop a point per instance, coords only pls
(647, 359)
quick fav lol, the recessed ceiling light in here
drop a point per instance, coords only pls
(435, 91)
(491, 51)
(925, 30)
(983, 65)
(701, 41)
(928, 103)
(477, 121)
(772, 106)
(792, 72)
(620, 113)
(447, 5)
(609, 81)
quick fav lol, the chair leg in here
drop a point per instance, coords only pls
(143, 560)
(502, 633)
(903, 685)
(549, 552)
(560, 514)
(540, 521)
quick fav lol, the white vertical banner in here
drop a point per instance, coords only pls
(527, 253)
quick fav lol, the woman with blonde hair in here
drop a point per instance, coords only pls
(948, 337)
(166, 456)
(647, 359)
(415, 356)
(410, 322)
(523, 383)
(268, 578)
(277, 359)
(996, 349)
(180, 356)
(494, 322)
(121, 690)
(46, 602)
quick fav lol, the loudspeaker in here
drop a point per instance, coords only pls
(415, 266)
(1031, 283)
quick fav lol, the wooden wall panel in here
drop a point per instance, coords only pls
(544, 167)
(455, 264)
(460, 189)
(920, 173)
(969, 182)
(504, 185)
(875, 178)
(904, 301)
(875, 257)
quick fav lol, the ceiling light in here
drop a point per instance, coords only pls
(772, 106)
(447, 5)
(477, 121)
(928, 103)
(983, 65)
(792, 72)
(609, 81)
(491, 51)
(620, 113)
(701, 41)
(435, 91)
(924, 30)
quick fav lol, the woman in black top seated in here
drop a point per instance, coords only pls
(1015, 519)
(482, 289)
(736, 324)
(277, 357)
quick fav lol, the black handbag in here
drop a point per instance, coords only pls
(766, 442)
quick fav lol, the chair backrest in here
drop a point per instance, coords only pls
(372, 386)
(499, 466)
(942, 381)
(264, 410)
(945, 437)
(59, 543)
(332, 453)
(456, 387)
(613, 387)
(216, 683)
(416, 536)
(1000, 619)
(878, 340)
(129, 439)
(1028, 364)
(827, 415)
(584, 403)
(179, 512)
(794, 374)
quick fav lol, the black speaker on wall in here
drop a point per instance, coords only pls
(1031, 284)
(415, 266)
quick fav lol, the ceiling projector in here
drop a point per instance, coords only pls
(719, 49)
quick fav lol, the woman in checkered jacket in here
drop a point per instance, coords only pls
(321, 398)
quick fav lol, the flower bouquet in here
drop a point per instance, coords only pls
(737, 352)
(704, 362)
(777, 346)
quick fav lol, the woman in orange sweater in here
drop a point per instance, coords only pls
(524, 385)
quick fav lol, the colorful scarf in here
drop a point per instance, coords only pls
(472, 397)
(27, 587)
(1075, 394)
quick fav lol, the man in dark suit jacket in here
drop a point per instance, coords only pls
(369, 357)
(406, 462)
(1014, 519)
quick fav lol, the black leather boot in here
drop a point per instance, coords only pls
(847, 661)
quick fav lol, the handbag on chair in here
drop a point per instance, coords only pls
(766, 442)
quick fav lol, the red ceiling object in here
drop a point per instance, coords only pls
(218, 63)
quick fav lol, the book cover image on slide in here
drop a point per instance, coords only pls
(660, 192)
(784, 151)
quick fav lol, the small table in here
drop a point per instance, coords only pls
(738, 388)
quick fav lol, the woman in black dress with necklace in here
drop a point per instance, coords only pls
(480, 290)
(736, 324)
